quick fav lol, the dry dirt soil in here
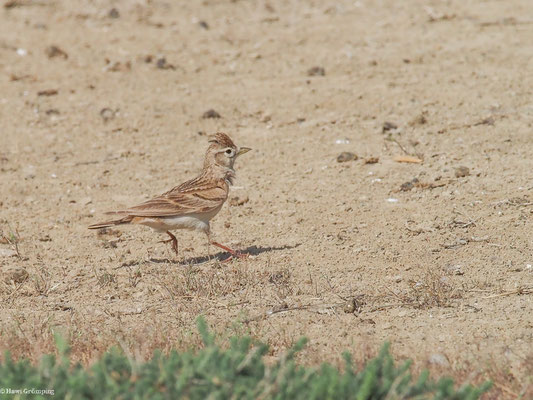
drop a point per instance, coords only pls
(102, 106)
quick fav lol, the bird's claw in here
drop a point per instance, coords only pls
(237, 254)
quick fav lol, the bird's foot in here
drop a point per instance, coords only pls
(233, 253)
(172, 240)
(236, 254)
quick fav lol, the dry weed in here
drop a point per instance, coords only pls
(433, 288)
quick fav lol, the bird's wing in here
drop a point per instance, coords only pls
(202, 199)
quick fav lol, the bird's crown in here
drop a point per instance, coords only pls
(221, 139)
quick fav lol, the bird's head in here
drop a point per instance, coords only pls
(222, 152)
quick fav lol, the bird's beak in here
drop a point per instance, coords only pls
(243, 150)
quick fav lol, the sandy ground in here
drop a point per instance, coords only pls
(101, 107)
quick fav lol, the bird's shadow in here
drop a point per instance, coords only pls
(222, 256)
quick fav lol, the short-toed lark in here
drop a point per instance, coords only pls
(192, 204)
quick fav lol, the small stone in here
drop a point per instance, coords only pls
(372, 160)
(238, 200)
(14, 274)
(342, 141)
(349, 307)
(47, 92)
(455, 269)
(203, 24)
(405, 187)
(12, 4)
(438, 359)
(461, 172)
(353, 305)
(118, 66)
(419, 119)
(162, 63)
(109, 244)
(316, 71)
(346, 156)
(113, 13)
(54, 51)
(7, 253)
(210, 114)
(107, 114)
(389, 126)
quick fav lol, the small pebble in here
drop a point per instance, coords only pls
(455, 269)
(7, 252)
(438, 359)
(461, 172)
(372, 160)
(162, 63)
(316, 71)
(349, 307)
(54, 51)
(113, 13)
(14, 274)
(419, 119)
(210, 114)
(346, 156)
(107, 114)
(389, 126)
(118, 66)
(353, 305)
(47, 92)
(405, 187)
(238, 200)
(342, 141)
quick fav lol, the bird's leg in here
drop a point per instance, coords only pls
(173, 240)
(233, 253)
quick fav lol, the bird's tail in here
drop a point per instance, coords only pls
(126, 220)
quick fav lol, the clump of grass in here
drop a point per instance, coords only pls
(281, 279)
(104, 279)
(192, 282)
(431, 289)
(12, 237)
(42, 281)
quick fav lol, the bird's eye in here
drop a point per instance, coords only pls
(229, 151)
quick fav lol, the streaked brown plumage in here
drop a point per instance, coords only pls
(192, 204)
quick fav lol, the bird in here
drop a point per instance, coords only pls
(192, 204)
